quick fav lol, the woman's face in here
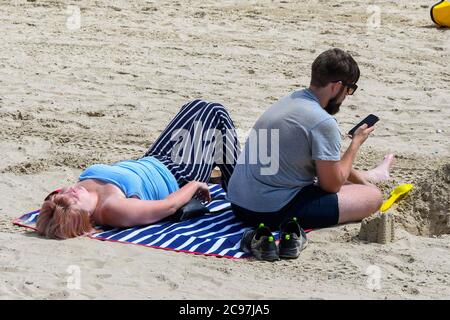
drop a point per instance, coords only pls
(79, 195)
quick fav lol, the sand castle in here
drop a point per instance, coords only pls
(379, 227)
(425, 212)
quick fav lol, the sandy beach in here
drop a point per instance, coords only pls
(102, 91)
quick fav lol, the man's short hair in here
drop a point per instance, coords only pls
(334, 65)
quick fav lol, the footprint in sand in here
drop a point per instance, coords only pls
(163, 278)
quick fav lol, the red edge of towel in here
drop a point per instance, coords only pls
(18, 223)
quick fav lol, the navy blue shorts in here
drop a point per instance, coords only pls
(313, 207)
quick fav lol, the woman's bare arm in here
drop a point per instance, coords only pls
(128, 212)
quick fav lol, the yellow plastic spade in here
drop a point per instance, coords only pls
(395, 194)
(440, 13)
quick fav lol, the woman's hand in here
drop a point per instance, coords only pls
(203, 192)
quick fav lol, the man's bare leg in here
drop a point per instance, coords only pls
(381, 172)
(377, 174)
(358, 199)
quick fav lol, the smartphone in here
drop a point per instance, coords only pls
(370, 120)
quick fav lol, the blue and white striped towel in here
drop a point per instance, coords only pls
(217, 233)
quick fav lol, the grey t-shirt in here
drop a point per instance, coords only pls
(271, 170)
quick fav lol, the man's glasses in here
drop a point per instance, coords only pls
(351, 87)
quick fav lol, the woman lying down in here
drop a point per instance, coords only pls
(144, 191)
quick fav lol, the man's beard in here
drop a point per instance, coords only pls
(332, 106)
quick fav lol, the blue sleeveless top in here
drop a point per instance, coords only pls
(146, 178)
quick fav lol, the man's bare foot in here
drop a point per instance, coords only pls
(382, 171)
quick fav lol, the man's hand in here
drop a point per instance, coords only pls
(361, 134)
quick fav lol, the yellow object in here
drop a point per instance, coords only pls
(395, 194)
(440, 13)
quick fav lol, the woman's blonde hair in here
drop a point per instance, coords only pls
(59, 218)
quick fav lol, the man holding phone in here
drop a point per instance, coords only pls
(315, 182)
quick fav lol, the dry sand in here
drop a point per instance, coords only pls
(103, 93)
